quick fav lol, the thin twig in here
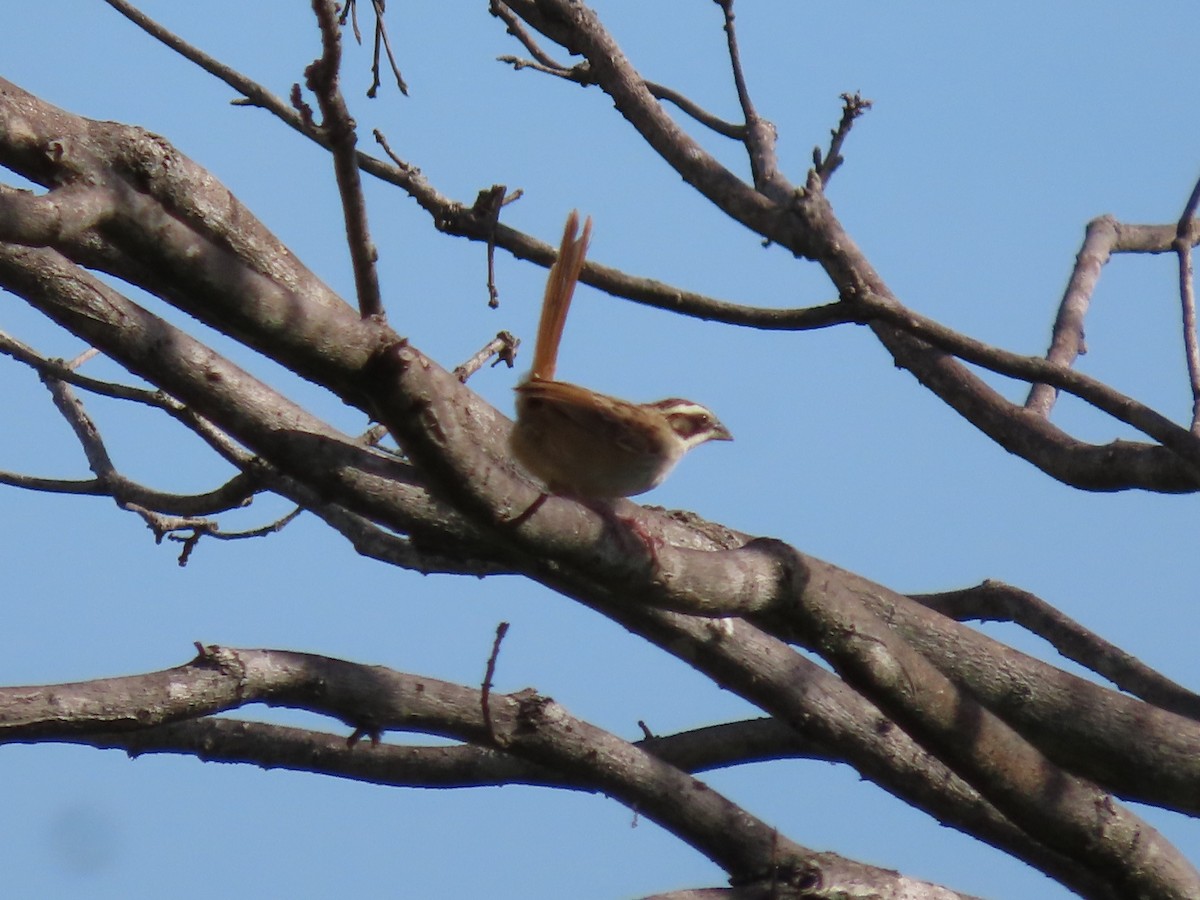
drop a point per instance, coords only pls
(735, 61)
(759, 135)
(581, 75)
(350, 11)
(253, 93)
(199, 528)
(236, 493)
(488, 205)
(517, 29)
(577, 74)
(692, 108)
(457, 219)
(322, 79)
(489, 673)
(118, 487)
(503, 346)
(263, 530)
(1185, 234)
(45, 367)
(853, 106)
(88, 435)
(83, 357)
(381, 36)
(1067, 341)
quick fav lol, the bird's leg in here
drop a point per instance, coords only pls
(620, 525)
(623, 526)
(522, 517)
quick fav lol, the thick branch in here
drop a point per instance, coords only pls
(1063, 811)
(525, 725)
(994, 601)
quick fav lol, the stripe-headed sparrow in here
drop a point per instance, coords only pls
(587, 445)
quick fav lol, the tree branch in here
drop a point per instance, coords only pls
(530, 727)
(338, 126)
(994, 601)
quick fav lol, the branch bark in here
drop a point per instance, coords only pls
(999, 745)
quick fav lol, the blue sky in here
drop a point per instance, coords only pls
(998, 132)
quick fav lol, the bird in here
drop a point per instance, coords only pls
(583, 444)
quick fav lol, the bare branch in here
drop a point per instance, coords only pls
(299, 444)
(84, 427)
(580, 75)
(487, 205)
(514, 26)
(1055, 807)
(485, 690)
(381, 38)
(1082, 465)
(263, 530)
(1186, 235)
(759, 135)
(941, 716)
(853, 106)
(996, 601)
(810, 229)
(454, 218)
(1067, 342)
(462, 766)
(253, 93)
(693, 109)
(322, 78)
(126, 494)
(531, 727)
(503, 346)
(580, 29)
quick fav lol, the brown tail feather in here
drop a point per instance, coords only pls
(560, 287)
